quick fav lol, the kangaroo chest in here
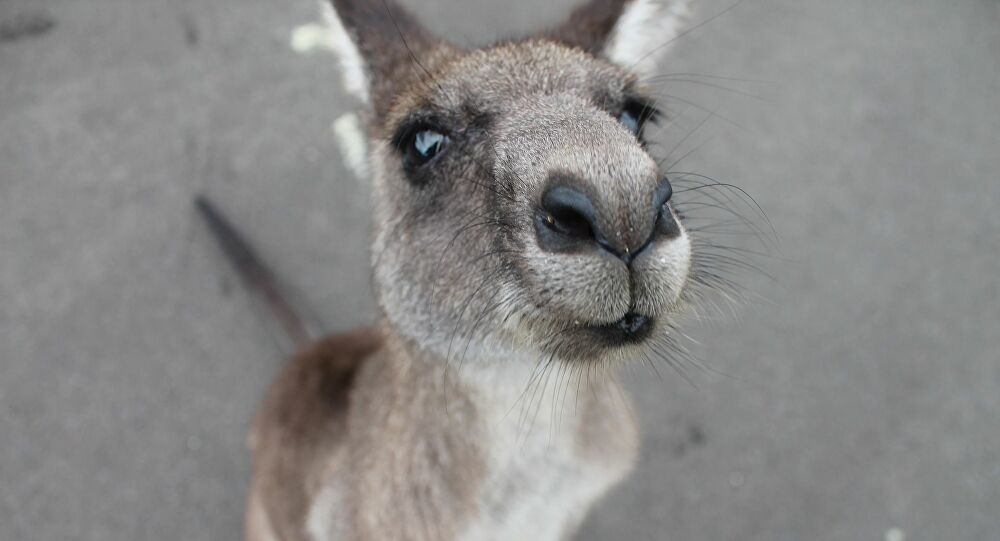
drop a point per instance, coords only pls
(547, 465)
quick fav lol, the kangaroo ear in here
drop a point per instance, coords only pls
(375, 41)
(631, 33)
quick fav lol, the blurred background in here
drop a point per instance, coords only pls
(856, 396)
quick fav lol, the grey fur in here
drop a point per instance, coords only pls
(406, 432)
(549, 109)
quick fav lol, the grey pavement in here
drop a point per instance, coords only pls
(856, 396)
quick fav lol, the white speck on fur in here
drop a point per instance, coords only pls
(351, 140)
(352, 65)
(644, 31)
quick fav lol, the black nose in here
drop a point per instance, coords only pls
(569, 220)
(664, 191)
(571, 213)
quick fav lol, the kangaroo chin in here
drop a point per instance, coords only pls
(525, 245)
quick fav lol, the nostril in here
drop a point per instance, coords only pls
(664, 191)
(569, 212)
(570, 223)
(666, 225)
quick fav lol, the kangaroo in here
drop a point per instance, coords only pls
(525, 247)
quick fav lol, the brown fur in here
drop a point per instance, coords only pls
(379, 28)
(344, 407)
(408, 432)
(589, 25)
(303, 418)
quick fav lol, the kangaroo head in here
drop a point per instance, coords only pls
(515, 200)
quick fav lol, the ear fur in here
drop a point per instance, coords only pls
(631, 33)
(375, 41)
(353, 69)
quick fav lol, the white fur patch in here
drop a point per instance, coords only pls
(310, 38)
(352, 65)
(325, 519)
(353, 147)
(675, 256)
(644, 32)
(538, 487)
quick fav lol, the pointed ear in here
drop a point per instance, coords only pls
(376, 42)
(631, 33)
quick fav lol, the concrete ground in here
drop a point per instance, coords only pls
(855, 397)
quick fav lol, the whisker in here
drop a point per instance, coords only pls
(409, 50)
(720, 87)
(716, 184)
(668, 76)
(686, 32)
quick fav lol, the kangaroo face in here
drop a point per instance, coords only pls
(515, 200)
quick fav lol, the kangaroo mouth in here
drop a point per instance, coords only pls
(631, 329)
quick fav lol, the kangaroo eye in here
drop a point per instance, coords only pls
(424, 145)
(630, 121)
(635, 114)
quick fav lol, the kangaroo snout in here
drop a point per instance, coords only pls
(569, 220)
(601, 254)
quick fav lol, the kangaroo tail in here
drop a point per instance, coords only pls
(256, 276)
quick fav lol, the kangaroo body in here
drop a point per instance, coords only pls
(524, 247)
(477, 466)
